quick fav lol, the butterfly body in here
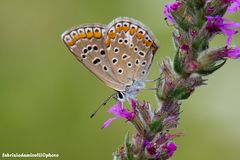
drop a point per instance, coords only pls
(120, 53)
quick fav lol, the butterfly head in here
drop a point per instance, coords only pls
(131, 91)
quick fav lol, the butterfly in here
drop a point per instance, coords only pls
(120, 54)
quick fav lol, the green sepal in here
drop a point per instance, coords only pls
(180, 93)
(181, 22)
(200, 44)
(211, 68)
(128, 147)
(220, 12)
(178, 64)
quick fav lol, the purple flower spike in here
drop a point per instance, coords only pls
(233, 53)
(234, 7)
(174, 6)
(119, 111)
(226, 26)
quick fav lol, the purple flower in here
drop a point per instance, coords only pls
(170, 148)
(134, 104)
(119, 111)
(149, 147)
(226, 26)
(234, 7)
(233, 53)
(174, 6)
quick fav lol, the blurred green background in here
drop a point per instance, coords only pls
(46, 96)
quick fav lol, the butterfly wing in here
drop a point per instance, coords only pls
(86, 44)
(131, 48)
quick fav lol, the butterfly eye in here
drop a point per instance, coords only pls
(120, 96)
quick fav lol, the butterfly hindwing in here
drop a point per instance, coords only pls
(131, 49)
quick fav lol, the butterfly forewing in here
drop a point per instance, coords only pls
(86, 43)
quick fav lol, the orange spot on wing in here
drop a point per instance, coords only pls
(125, 28)
(112, 35)
(140, 35)
(89, 34)
(119, 29)
(82, 35)
(97, 34)
(70, 43)
(107, 42)
(133, 31)
(149, 43)
(76, 37)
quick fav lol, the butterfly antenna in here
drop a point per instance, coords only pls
(103, 104)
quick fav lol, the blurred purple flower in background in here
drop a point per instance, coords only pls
(233, 53)
(226, 26)
(234, 7)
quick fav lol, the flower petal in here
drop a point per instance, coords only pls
(234, 7)
(234, 53)
(108, 122)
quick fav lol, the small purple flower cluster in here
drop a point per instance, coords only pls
(215, 24)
